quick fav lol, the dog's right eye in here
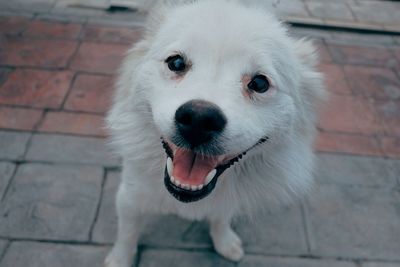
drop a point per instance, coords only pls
(176, 63)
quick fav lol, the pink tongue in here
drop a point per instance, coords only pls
(192, 169)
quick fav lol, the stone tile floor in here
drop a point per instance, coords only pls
(58, 180)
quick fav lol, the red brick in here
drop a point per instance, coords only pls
(18, 118)
(350, 114)
(389, 113)
(53, 30)
(35, 88)
(90, 93)
(73, 123)
(44, 53)
(335, 79)
(323, 51)
(377, 83)
(361, 55)
(13, 25)
(351, 144)
(111, 34)
(100, 58)
(391, 146)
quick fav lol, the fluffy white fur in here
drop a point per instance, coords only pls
(224, 40)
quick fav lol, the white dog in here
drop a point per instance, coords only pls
(214, 116)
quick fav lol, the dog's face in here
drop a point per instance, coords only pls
(220, 79)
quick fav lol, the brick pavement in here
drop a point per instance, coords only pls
(58, 179)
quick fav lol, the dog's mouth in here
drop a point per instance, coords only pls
(190, 176)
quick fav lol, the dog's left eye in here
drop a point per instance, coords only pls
(259, 84)
(176, 63)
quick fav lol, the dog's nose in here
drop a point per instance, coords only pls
(199, 121)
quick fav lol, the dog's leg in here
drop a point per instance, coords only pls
(130, 222)
(226, 242)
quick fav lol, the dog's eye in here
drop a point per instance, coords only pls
(176, 63)
(259, 84)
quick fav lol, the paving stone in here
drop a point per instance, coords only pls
(377, 11)
(91, 93)
(280, 231)
(323, 52)
(391, 146)
(13, 25)
(155, 258)
(331, 10)
(111, 34)
(335, 79)
(13, 145)
(70, 149)
(361, 55)
(351, 170)
(18, 51)
(51, 202)
(290, 7)
(99, 57)
(360, 38)
(348, 143)
(380, 264)
(46, 29)
(73, 123)
(354, 222)
(388, 112)
(18, 118)
(22, 254)
(35, 88)
(350, 114)
(6, 172)
(3, 246)
(377, 83)
(30, 6)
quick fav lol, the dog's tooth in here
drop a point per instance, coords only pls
(172, 178)
(177, 182)
(185, 186)
(194, 188)
(200, 187)
(210, 176)
(170, 166)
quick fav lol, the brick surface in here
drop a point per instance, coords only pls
(391, 146)
(335, 79)
(323, 52)
(351, 170)
(354, 222)
(388, 112)
(3, 246)
(153, 258)
(350, 114)
(361, 55)
(332, 10)
(53, 30)
(13, 25)
(380, 264)
(377, 83)
(18, 118)
(35, 88)
(346, 143)
(13, 145)
(22, 254)
(99, 58)
(377, 12)
(17, 51)
(51, 202)
(91, 93)
(111, 34)
(6, 172)
(71, 149)
(73, 123)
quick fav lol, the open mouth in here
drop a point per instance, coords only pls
(190, 176)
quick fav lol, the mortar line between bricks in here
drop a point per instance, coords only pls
(2, 255)
(99, 202)
(54, 69)
(51, 110)
(62, 163)
(305, 227)
(70, 88)
(8, 186)
(36, 132)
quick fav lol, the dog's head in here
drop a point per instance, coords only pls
(220, 79)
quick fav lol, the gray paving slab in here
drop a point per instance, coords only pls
(70, 149)
(169, 258)
(380, 264)
(51, 202)
(354, 222)
(280, 231)
(334, 10)
(6, 171)
(354, 170)
(13, 145)
(24, 254)
(3, 246)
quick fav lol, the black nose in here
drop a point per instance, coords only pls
(199, 121)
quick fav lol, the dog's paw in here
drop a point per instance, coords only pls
(116, 259)
(228, 244)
